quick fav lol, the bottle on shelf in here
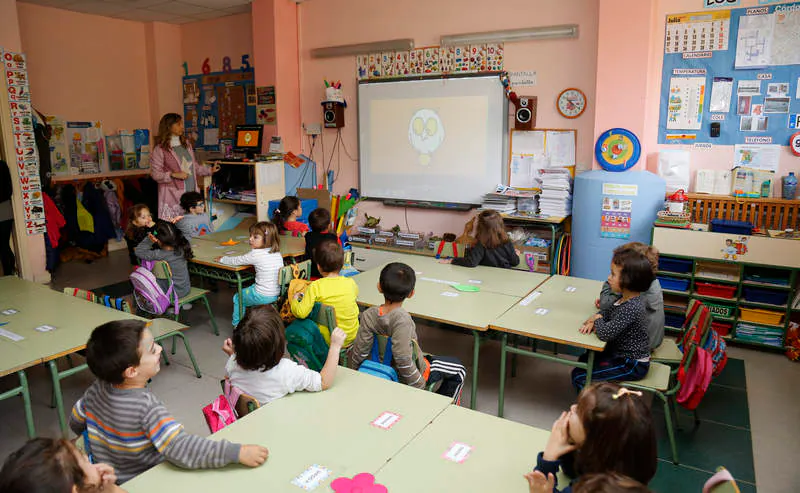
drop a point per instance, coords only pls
(789, 186)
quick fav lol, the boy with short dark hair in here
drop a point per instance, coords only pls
(196, 222)
(330, 289)
(128, 426)
(396, 283)
(319, 220)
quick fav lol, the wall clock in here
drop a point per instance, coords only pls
(571, 103)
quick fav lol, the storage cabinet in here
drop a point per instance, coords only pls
(750, 302)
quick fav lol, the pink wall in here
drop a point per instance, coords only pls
(72, 59)
(230, 36)
(719, 157)
(164, 70)
(559, 64)
(9, 26)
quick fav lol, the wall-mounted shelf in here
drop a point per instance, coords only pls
(125, 173)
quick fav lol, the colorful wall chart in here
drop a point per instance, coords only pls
(18, 93)
(739, 68)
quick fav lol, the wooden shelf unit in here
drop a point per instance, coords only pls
(269, 184)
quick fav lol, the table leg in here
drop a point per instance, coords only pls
(476, 347)
(501, 393)
(589, 368)
(241, 296)
(26, 399)
(62, 423)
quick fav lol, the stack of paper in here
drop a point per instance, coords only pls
(247, 196)
(758, 334)
(556, 197)
(500, 203)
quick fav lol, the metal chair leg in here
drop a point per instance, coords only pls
(211, 315)
(188, 351)
(670, 431)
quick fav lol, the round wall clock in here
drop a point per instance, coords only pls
(571, 103)
(794, 144)
(617, 149)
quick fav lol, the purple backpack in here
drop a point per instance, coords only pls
(148, 293)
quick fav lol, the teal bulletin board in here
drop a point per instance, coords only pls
(753, 53)
(214, 103)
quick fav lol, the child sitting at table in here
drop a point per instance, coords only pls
(320, 221)
(331, 289)
(168, 244)
(129, 428)
(285, 216)
(140, 223)
(266, 258)
(610, 429)
(196, 221)
(391, 320)
(493, 246)
(257, 367)
(51, 465)
(623, 325)
(653, 298)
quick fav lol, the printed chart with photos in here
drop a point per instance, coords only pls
(27, 157)
(731, 76)
(432, 60)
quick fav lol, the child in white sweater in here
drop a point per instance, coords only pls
(267, 260)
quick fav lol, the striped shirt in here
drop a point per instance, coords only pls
(267, 265)
(131, 430)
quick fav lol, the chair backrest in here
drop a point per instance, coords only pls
(285, 275)
(245, 404)
(326, 316)
(162, 270)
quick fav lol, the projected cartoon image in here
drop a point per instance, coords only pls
(425, 134)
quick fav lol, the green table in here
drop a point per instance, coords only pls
(502, 452)
(441, 302)
(207, 248)
(331, 429)
(488, 279)
(554, 312)
(73, 319)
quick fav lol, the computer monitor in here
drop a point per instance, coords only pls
(248, 139)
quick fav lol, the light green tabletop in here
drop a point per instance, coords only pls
(441, 302)
(555, 312)
(488, 279)
(502, 452)
(73, 319)
(331, 429)
(207, 248)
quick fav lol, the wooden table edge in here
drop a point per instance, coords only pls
(20, 367)
(434, 319)
(544, 338)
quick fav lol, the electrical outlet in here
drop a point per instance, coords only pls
(313, 128)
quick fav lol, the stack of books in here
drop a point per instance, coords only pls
(247, 196)
(500, 203)
(760, 335)
(556, 197)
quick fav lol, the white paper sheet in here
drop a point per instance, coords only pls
(717, 182)
(786, 38)
(673, 167)
(522, 172)
(560, 149)
(527, 143)
(721, 90)
(763, 157)
(211, 136)
(754, 41)
(748, 88)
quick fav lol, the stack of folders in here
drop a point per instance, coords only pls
(556, 197)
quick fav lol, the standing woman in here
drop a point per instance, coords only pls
(173, 166)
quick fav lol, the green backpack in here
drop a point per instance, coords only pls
(305, 343)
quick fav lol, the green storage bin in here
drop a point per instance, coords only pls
(719, 310)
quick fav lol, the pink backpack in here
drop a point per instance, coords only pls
(220, 413)
(148, 293)
(694, 381)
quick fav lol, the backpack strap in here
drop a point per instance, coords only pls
(375, 353)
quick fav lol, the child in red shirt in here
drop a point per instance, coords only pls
(285, 217)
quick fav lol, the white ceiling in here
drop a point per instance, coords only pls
(170, 11)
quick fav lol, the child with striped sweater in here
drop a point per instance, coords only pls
(129, 428)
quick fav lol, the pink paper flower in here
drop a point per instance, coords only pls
(361, 483)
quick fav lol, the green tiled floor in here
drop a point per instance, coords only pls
(722, 438)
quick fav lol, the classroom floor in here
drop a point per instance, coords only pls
(751, 402)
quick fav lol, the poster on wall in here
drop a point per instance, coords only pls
(686, 96)
(86, 146)
(27, 157)
(697, 32)
(266, 112)
(616, 218)
(59, 152)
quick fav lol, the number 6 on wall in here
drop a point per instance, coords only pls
(246, 63)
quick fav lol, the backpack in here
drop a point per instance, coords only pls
(717, 348)
(694, 381)
(296, 285)
(148, 293)
(220, 413)
(305, 343)
(373, 366)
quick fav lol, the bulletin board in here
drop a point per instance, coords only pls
(541, 148)
(752, 51)
(214, 103)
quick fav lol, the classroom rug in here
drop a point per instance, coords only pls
(723, 437)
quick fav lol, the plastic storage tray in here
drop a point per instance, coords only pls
(761, 295)
(722, 328)
(717, 290)
(766, 275)
(679, 265)
(733, 227)
(717, 270)
(760, 316)
(673, 284)
(718, 310)
(674, 320)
